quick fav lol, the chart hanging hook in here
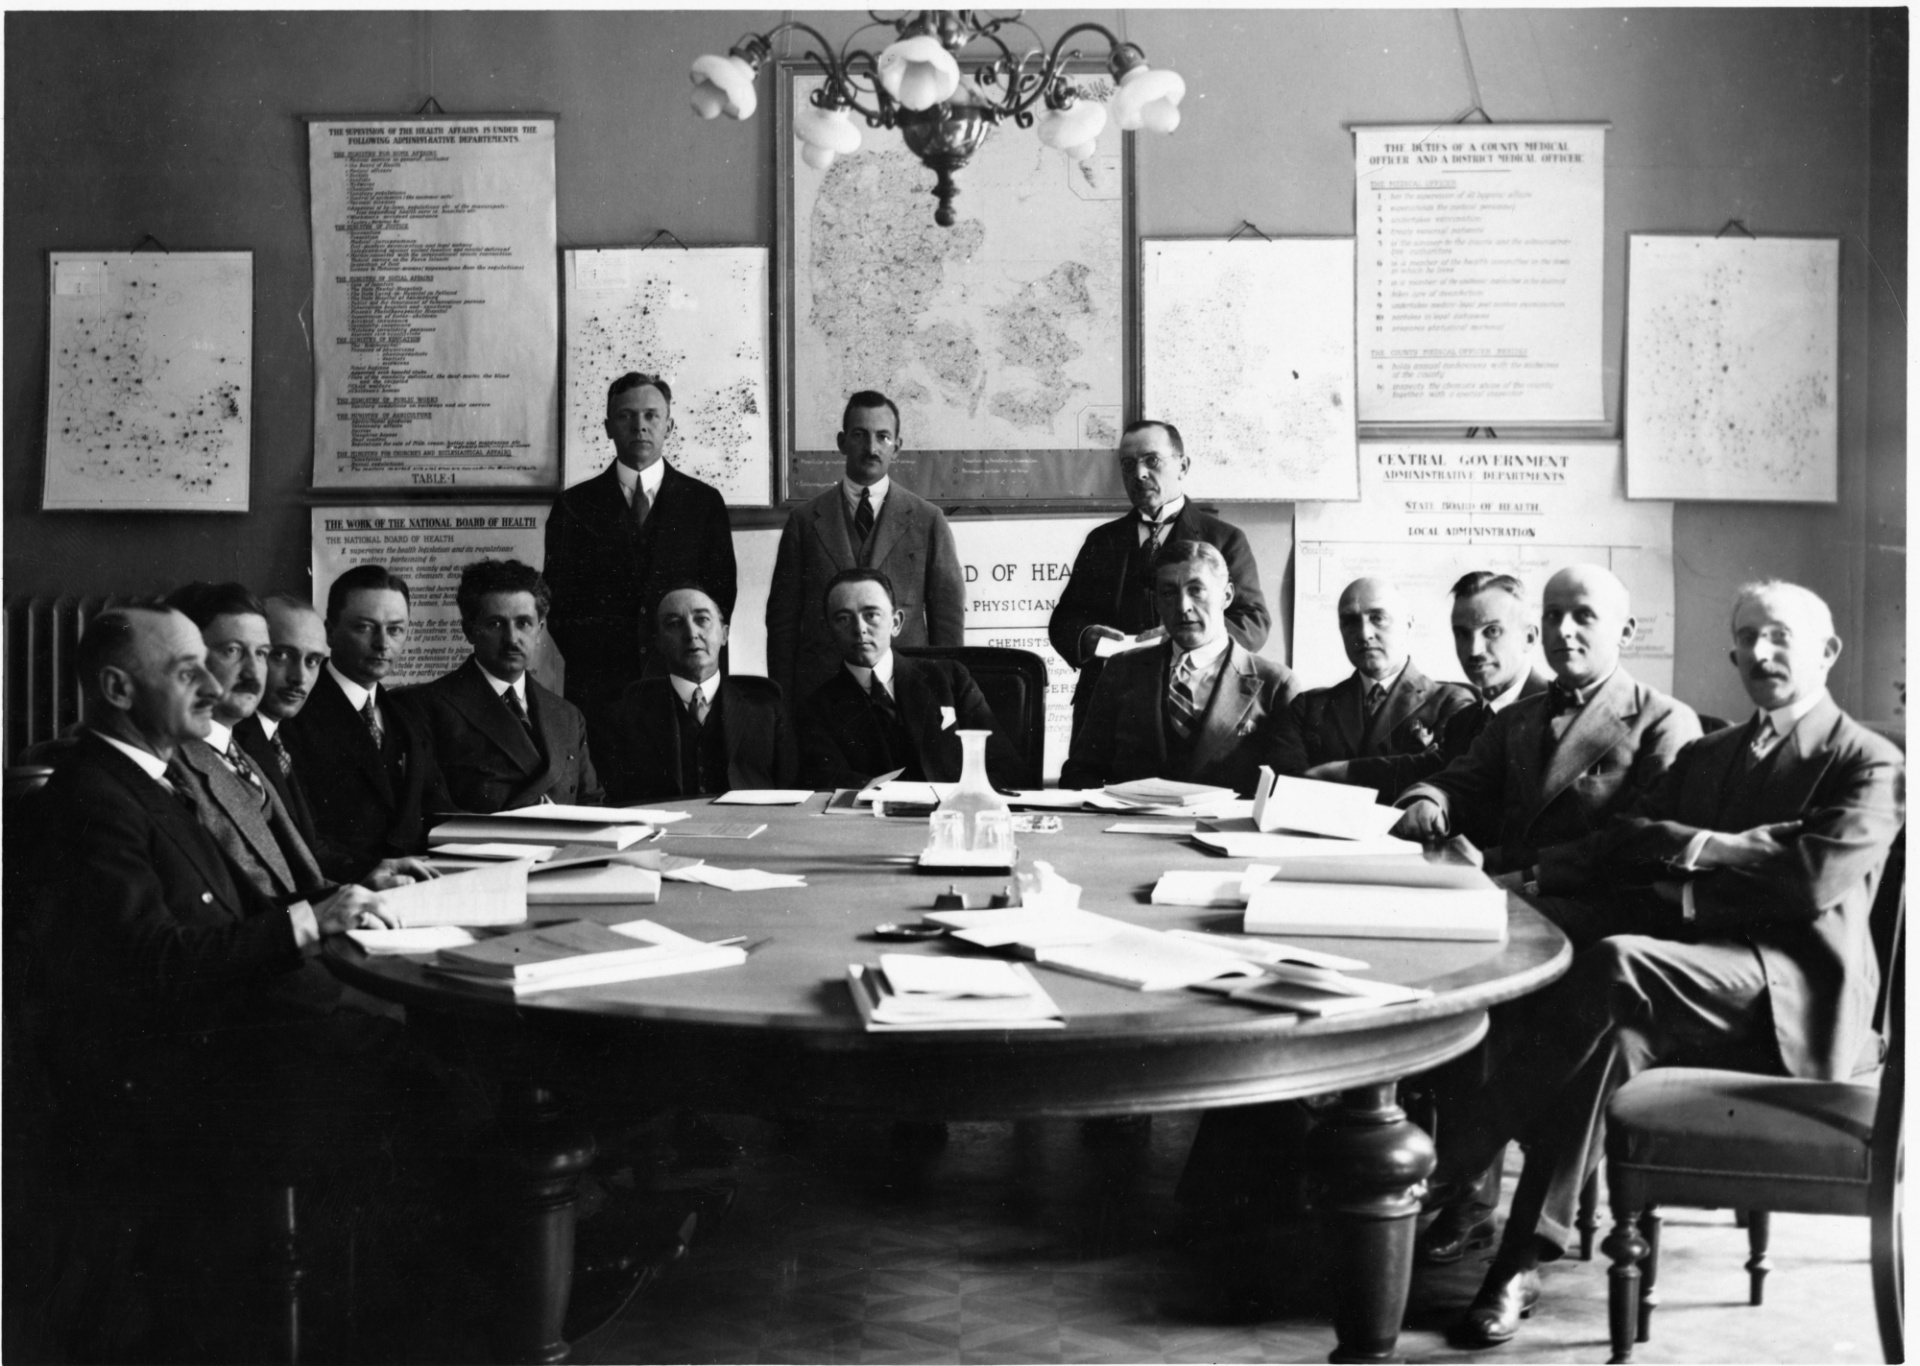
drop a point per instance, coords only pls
(667, 234)
(1734, 223)
(431, 106)
(1247, 225)
(141, 245)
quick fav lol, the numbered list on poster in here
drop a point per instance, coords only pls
(435, 303)
(1479, 281)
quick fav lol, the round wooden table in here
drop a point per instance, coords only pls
(779, 1034)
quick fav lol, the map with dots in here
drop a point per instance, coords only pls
(1733, 368)
(150, 381)
(698, 319)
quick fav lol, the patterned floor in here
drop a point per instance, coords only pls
(1023, 1243)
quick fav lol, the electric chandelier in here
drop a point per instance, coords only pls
(943, 110)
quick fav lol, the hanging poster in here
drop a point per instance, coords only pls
(1432, 511)
(1001, 338)
(428, 546)
(435, 308)
(149, 381)
(1733, 368)
(697, 318)
(1480, 254)
(1247, 348)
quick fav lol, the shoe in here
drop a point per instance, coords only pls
(1457, 1230)
(1494, 1316)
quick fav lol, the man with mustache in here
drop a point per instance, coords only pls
(866, 520)
(618, 541)
(884, 711)
(298, 652)
(1111, 593)
(501, 739)
(1386, 706)
(363, 753)
(1734, 901)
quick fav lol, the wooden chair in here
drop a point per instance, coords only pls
(1715, 1139)
(1014, 682)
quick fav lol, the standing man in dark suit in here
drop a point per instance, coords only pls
(695, 731)
(617, 542)
(501, 739)
(883, 711)
(1556, 766)
(1735, 905)
(1198, 707)
(1385, 706)
(869, 521)
(362, 752)
(1494, 635)
(1111, 593)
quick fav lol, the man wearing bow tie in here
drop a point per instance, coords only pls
(1554, 767)
(501, 739)
(1735, 901)
(363, 754)
(1111, 593)
(884, 711)
(1385, 706)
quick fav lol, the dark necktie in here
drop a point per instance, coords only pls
(280, 755)
(1155, 530)
(641, 505)
(512, 699)
(371, 715)
(1376, 694)
(697, 704)
(180, 779)
(882, 700)
(1183, 708)
(1762, 743)
(863, 516)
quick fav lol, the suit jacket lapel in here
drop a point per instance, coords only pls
(830, 524)
(1785, 779)
(1408, 694)
(608, 505)
(1346, 703)
(1599, 726)
(235, 801)
(488, 714)
(896, 518)
(170, 817)
(338, 715)
(545, 713)
(1154, 701)
(1233, 697)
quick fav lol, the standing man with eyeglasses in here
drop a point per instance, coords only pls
(1111, 593)
(618, 542)
(865, 521)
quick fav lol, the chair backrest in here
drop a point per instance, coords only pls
(1014, 682)
(1709, 724)
(1886, 922)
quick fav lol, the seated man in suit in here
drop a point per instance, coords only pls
(866, 520)
(363, 754)
(1386, 706)
(695, 731)
(500, 738)
(296, 655)
(1494, 635)
(884, 711)
(1198, 707)
(238, 803)
(1111, 595)
(1734, 900)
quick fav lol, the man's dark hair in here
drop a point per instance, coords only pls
(1484, 580)
(108, 639)
(870, 398)
(1173, 433)
(684, 585)
(359, 577)
(500, 576)
(860, 573)
(634, 379)
(1192, 552)
(202, 602)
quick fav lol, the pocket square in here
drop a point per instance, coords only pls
(947, 718)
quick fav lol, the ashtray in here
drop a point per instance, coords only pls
(902, 932)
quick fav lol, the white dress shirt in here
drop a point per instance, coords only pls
(852, 491)
(1168, 511)
(1203, 666)
(882, 670)
(500, 686)
(356, 694)
(269, 725)
(685, 688)
(648, 479)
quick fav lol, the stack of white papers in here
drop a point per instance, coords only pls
(513, 827)
(1099, 946)
(1052, 798)
(498, 851)
(764, 796)
(594, 815)
(1107, 647)
(1316, 991)
(734, 879)
(495, 895)
(580, 953)
(386, 943)
(1253, 844)
(1307, 806)
(1206, 888)
(610, 884)
(1373, 911)
(915, 991)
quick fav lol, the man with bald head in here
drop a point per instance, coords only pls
(1386, 706)
(297, 651)
(1556, 766)
(1734, 903)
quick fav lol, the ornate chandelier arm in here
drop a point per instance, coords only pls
(1122, 57)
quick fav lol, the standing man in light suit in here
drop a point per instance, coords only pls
(1111, 593)
(865, 521)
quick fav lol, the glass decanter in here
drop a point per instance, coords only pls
(974, 824)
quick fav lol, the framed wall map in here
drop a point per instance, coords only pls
(1002, 338)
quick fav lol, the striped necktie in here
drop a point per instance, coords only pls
(1183, 709)
(863, 516)
(241, 764)
(281, 756)
(514, 705)
(371, 715)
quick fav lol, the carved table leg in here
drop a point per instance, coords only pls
(1373, 1161)
(548, 1151)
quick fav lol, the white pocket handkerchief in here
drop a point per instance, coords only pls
(947, 718)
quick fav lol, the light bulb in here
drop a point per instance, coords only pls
(918, 72)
